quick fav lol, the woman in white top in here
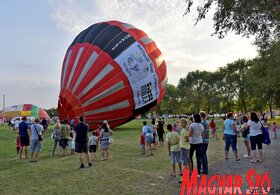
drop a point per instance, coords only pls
(196, 129)
(256, 137)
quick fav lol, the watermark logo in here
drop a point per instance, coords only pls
(226, 184)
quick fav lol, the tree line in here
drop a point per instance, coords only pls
(241, 86)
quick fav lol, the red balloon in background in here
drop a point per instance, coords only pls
(112, 71)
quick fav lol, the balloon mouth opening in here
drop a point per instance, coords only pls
(69, 106)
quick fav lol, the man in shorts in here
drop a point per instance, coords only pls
(81, 147)
(24, 134)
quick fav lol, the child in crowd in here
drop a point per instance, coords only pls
(213, 128)
(17, 142)
(176, 128)
(155, 135)
(274, 128)
(172, 138)
(72, 142)
(142, 143)
(93, 145)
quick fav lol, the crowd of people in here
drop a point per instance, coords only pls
(183, 139)
(191, 136)
(74, 137)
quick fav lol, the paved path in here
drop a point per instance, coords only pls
(271, 164)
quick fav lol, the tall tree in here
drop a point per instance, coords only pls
(260, 18)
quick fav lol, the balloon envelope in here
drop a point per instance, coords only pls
(112, 71)
(24, 110)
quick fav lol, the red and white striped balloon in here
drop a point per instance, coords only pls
(112, 71)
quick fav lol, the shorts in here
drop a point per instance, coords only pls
(256, 141)
(92, 148)
(36, 146)
(72, 144)
(246, 138)
(185, 157)
(63, 143)
(81, 147)
(175, 157)
(104, 144)
(149, 139)
(230, 140)
(24, 141)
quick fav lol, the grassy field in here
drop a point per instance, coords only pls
(126, 172)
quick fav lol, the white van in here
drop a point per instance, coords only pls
(19, 118)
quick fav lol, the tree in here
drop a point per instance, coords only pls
(52, 112)
(259, 18)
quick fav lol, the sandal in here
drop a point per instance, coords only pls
(173, 175)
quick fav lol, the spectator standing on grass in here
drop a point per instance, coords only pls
(160, 131)
(256, 137)
(142, 143)
(17, 142)
(65, 136)
(184, 145)
(36, 145)
(72, 142)
(81, 141)
(155, 135)
(104, 137)
(56, 137)
(205, 142)
(44, 123)
(148, 132)
(172, 139)
(213, 128)
(196, 129)
(246, 136)
(24, 133)
(274, 129)
(230, 136)
(93, 145)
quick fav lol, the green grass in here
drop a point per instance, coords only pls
(126, 172)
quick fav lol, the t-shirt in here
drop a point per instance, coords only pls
(144, 128)
(16, 124)
(205, 124)
(228, 123)
(93, 140)
(81, 133)
(65, 131)
(212, 125)
(23, 126)
(34, 134)
(184, 138)
(255, 128)
(173, 139)
(196, 138)
(147, 130)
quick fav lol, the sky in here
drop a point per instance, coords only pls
(35, 36)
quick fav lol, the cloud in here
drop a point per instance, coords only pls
(185, 47)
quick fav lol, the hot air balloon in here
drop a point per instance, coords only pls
(24, 110)
(112, 71)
